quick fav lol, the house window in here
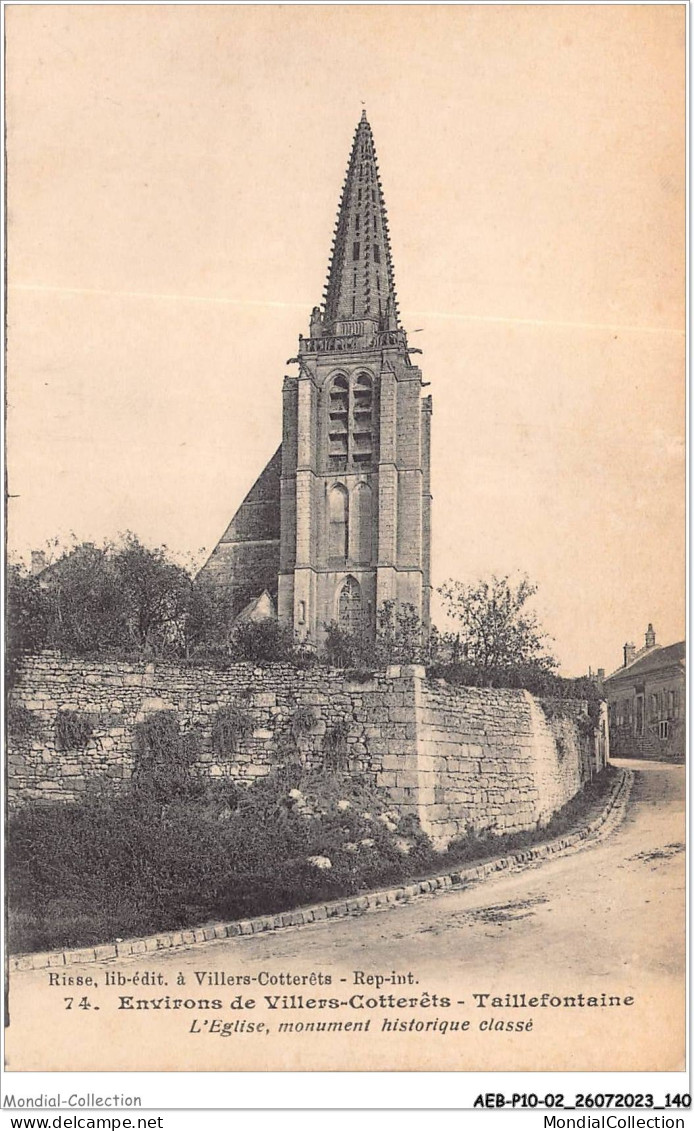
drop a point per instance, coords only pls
(664, 729)
(355, 250)
(671, 704)
(639, 715)
(302, 612)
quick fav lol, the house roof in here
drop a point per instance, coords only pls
(259, 608)
(655, 658)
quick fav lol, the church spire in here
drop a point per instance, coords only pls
(360, 275)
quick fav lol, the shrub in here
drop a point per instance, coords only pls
(127, 865)
(73, 729)
(28, 613)
(262, 642)
(540, 682)
(230, 726)
(121, 866)
(399, 639)
(344, 649)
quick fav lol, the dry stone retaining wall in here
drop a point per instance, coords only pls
(458, 757)
(496, 759)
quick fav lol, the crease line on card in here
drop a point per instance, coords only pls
(452, 316)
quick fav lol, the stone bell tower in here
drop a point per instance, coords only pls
(355, 500)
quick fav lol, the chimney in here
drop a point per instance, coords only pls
(650, 637)
(38, 562)
(629, 653)
(601, 673)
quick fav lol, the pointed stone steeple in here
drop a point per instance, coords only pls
(360, 275)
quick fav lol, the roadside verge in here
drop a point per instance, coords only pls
(601, 826)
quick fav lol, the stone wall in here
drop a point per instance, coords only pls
(118, 695)
(458, 757)
(497, 759)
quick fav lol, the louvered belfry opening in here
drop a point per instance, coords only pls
(338, 424)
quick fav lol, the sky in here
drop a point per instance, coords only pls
(173, 180)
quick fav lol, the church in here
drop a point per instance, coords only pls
(339, 521)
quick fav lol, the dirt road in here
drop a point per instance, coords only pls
(606, 920)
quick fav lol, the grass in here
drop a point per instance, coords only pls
(115, 867)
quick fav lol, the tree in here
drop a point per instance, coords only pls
(399, 634)
(100, 600)
(28, 618)
(496, 629)
(263, 642)
(156, 593)
(209, 617)
(86, 605)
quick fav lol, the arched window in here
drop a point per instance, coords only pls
(350, 421)
(338, 413)
(362, 419)
(362, 524)
(338, 512)
(349, 612)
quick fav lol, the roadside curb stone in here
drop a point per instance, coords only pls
(600, 827)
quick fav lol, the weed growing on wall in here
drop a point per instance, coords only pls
(230, 726)
(288, 738)
(335, 745)
(165, 757)
(586, 723)
(302, 722)
(73, 729)
(20, 722)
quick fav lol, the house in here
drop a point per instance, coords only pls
(646, 701)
